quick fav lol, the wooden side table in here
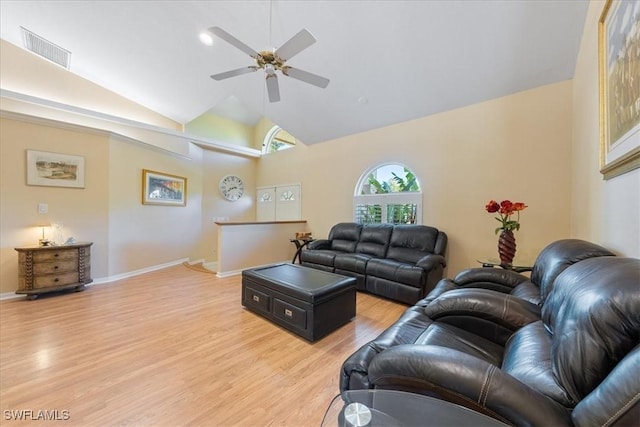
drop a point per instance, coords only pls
(43, 269)
(300, 244)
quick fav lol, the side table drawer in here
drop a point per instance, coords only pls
(291, 314)
(55, 280)
(55, 267)
(256, 299)
(55, 255)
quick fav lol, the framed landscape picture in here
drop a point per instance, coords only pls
(618, 71)
(55, 169)
(163, 189)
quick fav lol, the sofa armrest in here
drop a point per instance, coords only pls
(464, 380)
(431, 261)
(490, 278)
(444, 285)
(616, 400)
(319, 244)
(502, 309)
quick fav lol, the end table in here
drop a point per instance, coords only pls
(516, 268)
(300, 244)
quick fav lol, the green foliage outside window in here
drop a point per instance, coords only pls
(396, 213)
(395, 184)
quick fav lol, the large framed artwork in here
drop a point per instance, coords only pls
(160, 188)
(55, 169)
(619, 80)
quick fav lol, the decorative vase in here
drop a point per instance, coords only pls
(507, 247)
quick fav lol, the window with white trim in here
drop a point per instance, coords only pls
(388, 193)
(277, 139)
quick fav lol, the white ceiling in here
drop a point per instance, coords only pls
(388, 61)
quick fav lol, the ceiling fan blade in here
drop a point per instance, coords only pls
(296, 44)
(272, 88)
(233, 41)
(306, 76)
(232, 73)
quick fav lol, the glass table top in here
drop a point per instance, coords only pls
(390, 408)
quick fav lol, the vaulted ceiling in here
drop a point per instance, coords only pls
(387, 61)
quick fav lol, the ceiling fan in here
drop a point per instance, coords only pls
(273, 60)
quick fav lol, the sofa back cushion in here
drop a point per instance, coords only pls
(559, 255)
(344, 236)
(593, 314)
(374, 239)
(409, 243)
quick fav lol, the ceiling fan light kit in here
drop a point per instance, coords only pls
(273, 60)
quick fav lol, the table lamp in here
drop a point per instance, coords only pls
(43, 241)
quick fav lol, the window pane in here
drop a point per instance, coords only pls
(368, 214)
(402, 214)
(390, 179)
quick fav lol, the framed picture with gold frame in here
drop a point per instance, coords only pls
(160, 188)
(618, 75)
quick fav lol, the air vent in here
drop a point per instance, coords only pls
(44, 48)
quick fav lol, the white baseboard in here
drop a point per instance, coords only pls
(213, 265)
(109, 279)
(222, 274)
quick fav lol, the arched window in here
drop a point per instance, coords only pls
(388, 193)
(277, 139)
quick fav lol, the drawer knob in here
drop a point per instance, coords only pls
(55, 267)
(56, 255)
(56, 279)
(288, 312)
(256, 298)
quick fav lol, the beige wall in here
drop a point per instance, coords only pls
(26, 73)
(222, 129)
(538, 146)
(214, 206)
(128, 236)
(146, 235)
(607, 212)
(517, 147)
(84, 212)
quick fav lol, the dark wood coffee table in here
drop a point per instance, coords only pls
(308, 302)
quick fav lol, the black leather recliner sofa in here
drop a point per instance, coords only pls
(573, 360)
(551, 261)
(401, 262)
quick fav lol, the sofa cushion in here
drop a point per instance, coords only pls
(593, 314)
(391, 289)
(355, 263)
(528, 292)
(527, 357)
(374, 240)
(396, 271)
(319, 257)
(344, 236)
(559, 255)
(444, 335)
(409, 243)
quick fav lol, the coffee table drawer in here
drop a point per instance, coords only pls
(291, 314)
(256, 299)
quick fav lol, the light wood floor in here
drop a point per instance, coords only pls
(170, 348)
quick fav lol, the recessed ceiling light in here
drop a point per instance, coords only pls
(206, 38)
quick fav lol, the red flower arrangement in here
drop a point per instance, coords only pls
(505, 209)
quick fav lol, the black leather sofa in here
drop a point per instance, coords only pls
(551, 261)
(401, 262)
(572, 360)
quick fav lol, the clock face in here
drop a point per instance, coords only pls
(231, 188)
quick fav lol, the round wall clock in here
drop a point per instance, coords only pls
(231, 187)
